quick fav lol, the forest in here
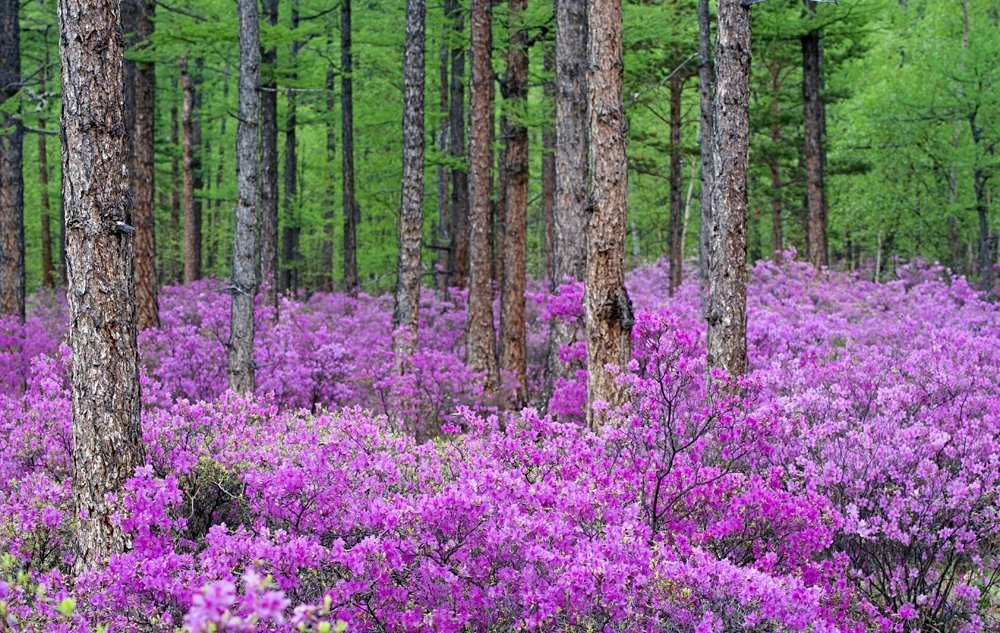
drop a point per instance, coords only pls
(499, 315)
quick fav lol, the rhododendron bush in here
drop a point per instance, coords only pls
(848, 483)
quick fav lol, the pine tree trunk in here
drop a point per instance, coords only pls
(143, 172)
(813, 126)
(44, 200)
(326, 248)
(11, 167)
(549, 167)
(481, 335)
(290, 234)
(105, 376)
(244, 281)
(513, 336)
(774, 166)
(607, 305)
(176, 184)
(458, 253)
(407, 298)
(347, 147)
(706, 137)
(676, 228)
(727, 316)
(269, 164)
(192, 209)
(442, 241)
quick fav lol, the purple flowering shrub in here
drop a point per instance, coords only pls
(847, 483)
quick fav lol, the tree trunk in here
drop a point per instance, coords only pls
(442, 241)
(176, 183)
(774, 166)
(979, 178)
(143, 172)
(513, 336)
(569, 214)
(326, 248)
(290, 234)
(676, 229)
(107, 435)
(706, 134)
(215, 243)
(347, 147)
(813, 125)
(607, 304)
(481, 335)
(244, 281)
(192, 208)
(407, 299)
(549, 168)
(269, 164)
(44, 200)
(458, 253)
(11, 166)
(727, 316)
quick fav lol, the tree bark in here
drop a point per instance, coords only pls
(244, 280)
(11, 167)
(607, 305)
(481, 335)
(192, 207)
(513, 336)
(176, 182)
(347, 147)
(458, 253)
(727, 317)
(107, 435)
(290, 234)
(549, 167)
(326, 248)
(442, 241)
(407, 298)
(813, 126)
(269, 164)
(706, 134)
(44, 199)
(774, 166)
(676, 228)
(142, 169)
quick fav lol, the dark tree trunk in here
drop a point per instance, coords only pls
(979, 178)
(11, 166)
(215, 242)
(326, 248)
(549, 167)
(676, 228)
(607, 305)
(513, 336)
(143, 76)
(407, 299)
(706, 134)
(189, 150)
(351, 215)
(442, 241)
(774, 166)
(481, 335)
(44, 200)
(813, 126)
(269, 164)
(458, 253)
(290, 235)
(176, 183)
(727, 316)
(106, 430)
(244, 281)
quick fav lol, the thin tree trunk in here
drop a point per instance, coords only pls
(269, 275)
(607, 305)
(549, 168)
(813, 125)
(481, 335)
(774, 166)
(11, 167)
(44, 201)
(107, 445)
(347, 147)
(513, 336)
(727, 317)
(176, 185)
(442, 243)
(407, 298)
(143, 172)
(244, 281)
(192, 210)
(676, 228)
(458, 253)
(326, 248)
(290, 234)
(706, 134)
(215, 243)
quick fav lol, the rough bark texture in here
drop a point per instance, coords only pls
(813, 126)
(11, 167)
(606, 302)
(727, 316)
(569, 214)
(549, 167)
(458, 253)
(107, 438)
(244, 281)
(269, 164)
(407, 298)
(676, 223)
(347, 147)
(142, 172)
(513, 346)
(192, 208)
(706, 133)
(293, 225)
(481, 335)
